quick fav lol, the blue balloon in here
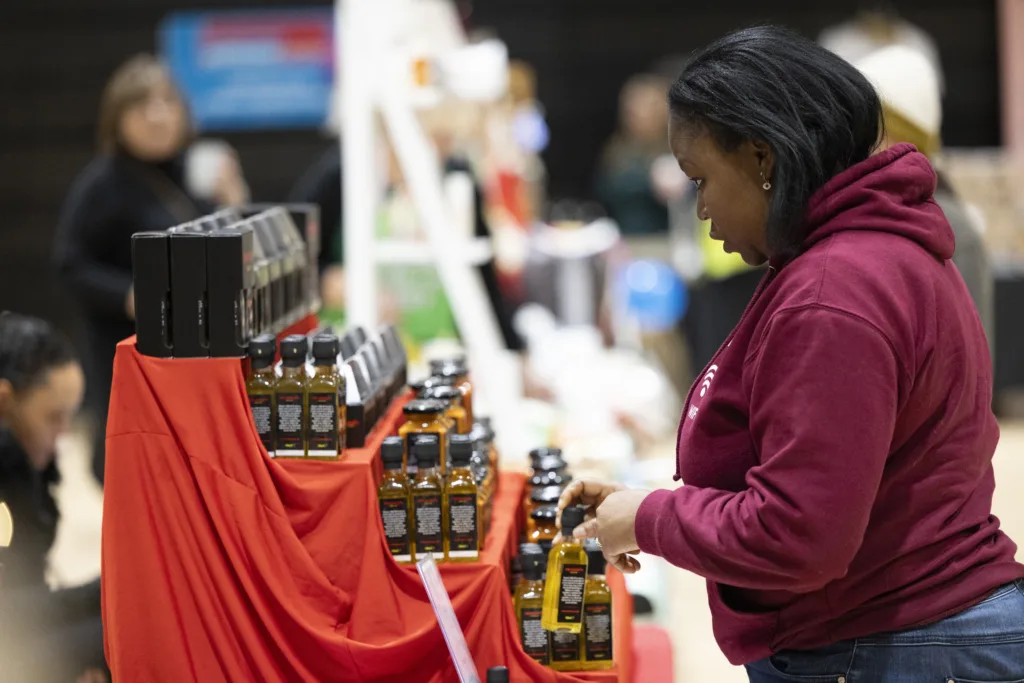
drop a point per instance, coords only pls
(653, 293)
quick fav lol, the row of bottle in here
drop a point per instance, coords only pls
(443, 514)
(563, 604)
(313, 406)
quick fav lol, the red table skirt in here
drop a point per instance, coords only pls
(221, 564)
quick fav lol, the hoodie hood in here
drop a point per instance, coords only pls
(889, 192)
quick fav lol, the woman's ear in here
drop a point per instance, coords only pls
(6, 398)
(765, 158)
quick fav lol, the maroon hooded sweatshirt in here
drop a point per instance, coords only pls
(837, 452)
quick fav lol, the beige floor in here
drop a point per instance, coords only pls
(76, 556)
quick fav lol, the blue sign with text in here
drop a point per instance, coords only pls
(250, 70)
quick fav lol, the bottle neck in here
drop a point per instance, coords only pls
(424, 472)
(460, 469)
(394, 473)
(264, 370)
(292, 371)
(323, 370)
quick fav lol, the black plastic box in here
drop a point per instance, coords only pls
(151, 278)
(231, 280)
(188, 293)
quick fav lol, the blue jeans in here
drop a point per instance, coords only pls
(983, 644)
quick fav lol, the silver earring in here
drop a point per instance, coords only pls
(767, 186)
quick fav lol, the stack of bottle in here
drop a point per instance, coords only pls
(207, 287)
(316, 402)
(563, 604)
(449, 497)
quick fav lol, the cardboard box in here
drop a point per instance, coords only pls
(189, 316)
(151, 279)
(231, 290)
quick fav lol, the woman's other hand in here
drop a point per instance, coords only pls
(610, 517)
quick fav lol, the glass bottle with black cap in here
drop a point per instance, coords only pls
(428, 499)
(260, 388)
(393, 497)
(291, 398)
(566, 578)
(326, 400)
(529, 604)
(463, 537)
(596, 652)
(424, 417)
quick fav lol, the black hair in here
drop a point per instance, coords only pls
(29, 348)
(817, 113)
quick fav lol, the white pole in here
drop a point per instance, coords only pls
(356, 36)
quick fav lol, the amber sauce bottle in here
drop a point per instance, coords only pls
(259, 386)
(424, 417)
(596, 641)
(394, 499)
(326, 404)
(529, 606)
(544, 528)
(457, 369)
(566, 578)
(540, 496)
(486, 482)
(452, 397)
(428, 510)
(291, 398)
(462, 521)
(487, 430)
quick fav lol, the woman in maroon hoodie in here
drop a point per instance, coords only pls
(837, 451)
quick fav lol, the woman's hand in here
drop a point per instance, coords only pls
(610, 517)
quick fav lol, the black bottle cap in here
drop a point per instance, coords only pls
(325, 349)
(560, 479)
(461, 449)
(262, 350)
(294, 349)
(546, 513)
(442, 393)
(551, 463)
(547, 495)
(527, 547)
(392, 451)
(572, 517)
(418, 386)
(438, 381)
(497, 674)
(486, 427)
(424, 407)
(426, 450)
(596, 563)
(532, 562)
(538, 454)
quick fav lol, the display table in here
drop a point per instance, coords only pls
(221, 564)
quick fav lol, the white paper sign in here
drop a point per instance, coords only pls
(445, 613)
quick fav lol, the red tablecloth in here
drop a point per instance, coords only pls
(220, 564)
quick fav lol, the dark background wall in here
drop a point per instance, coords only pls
(55, 56)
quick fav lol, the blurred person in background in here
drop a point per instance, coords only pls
(624, 182)
(136, 183)
(908, 86)
(44, 635)
(837, 454)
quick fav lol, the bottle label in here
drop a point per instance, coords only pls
(323, 424)
(597, 631)
(429, 531)
(262, 407)
(462, 526)
(570, 593)
(289, 425)
(535, 638)
(394, 513)
(565, 646)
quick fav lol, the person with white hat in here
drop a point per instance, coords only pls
(908, 85)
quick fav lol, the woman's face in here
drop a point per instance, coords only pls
(154, 129)
(40, 414)
(730, 189)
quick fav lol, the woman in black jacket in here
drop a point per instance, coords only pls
(44, 635)
(135, 184)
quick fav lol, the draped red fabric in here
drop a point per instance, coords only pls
(220, 564)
